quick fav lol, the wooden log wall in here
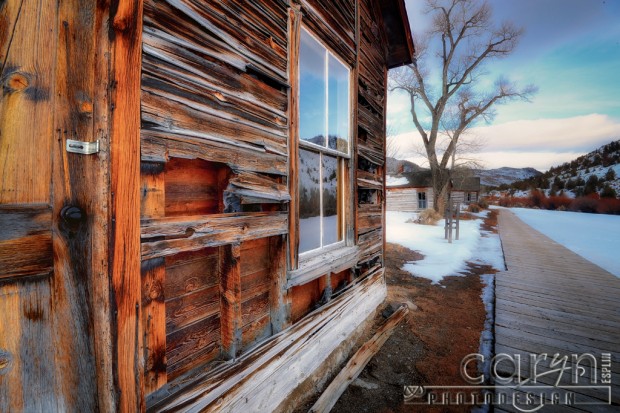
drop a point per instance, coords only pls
(403, 199)
(218, 183)
(406, 199)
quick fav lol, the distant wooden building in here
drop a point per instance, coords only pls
(192, 198)
(413, 191)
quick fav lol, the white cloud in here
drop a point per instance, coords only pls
(555, 135)
(538, 143)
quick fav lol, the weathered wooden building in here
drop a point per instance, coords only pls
(192, 198)
(413, 191)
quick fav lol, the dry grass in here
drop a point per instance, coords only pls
(429, 217)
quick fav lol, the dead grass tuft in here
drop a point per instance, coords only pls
(429, 217)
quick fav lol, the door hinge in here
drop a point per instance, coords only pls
(84, 148)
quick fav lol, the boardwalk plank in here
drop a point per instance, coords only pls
(551, 300)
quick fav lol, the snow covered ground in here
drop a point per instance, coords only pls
(442, 259)
(596, 237)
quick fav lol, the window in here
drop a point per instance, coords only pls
(324, 130)
(422, 200)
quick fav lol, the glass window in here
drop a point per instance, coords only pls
(324, 130)
(312, 90)
(422, 200)
(309, 201)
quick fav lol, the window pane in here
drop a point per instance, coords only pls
(312, 90)
(309, 201)
(338, 126)
(331, 223)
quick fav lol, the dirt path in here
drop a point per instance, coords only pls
(427, 348)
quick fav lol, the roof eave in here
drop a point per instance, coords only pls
(401, 48)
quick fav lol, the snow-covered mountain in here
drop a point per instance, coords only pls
(595, 172)
(505, 175)
(488, 177)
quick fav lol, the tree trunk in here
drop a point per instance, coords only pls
(441, 180)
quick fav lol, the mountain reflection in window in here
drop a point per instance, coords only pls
(323, 96)
(331, 227)
(309, 201)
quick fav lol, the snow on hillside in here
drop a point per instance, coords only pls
(595, 172)
(395, 180)
(594, 237)
(441, 258)
(505, 175)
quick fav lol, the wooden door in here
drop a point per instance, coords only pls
(46, 324)
(69, 223)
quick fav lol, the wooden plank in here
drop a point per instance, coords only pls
(25, 241)
(193, 345)
(258, 186)
(294, 36)
(356, 364)
(152, 189)
(302, 346)
(254, 308)
(328, 262)
(560, 316)
(194, 233)
(543, 344)
(547, 331)
(256, 331)
(564, 307)
(190, 272)
(506, 317)
(154, 281)
(126, 30)
(280, 308)
(563, 288)
(154, 323)
(230, 292)
(160, 145)
(604, 307)
(192, 187)
(189, 308)
(28, 369)
(28, 100)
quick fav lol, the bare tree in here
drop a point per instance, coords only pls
(449, 100)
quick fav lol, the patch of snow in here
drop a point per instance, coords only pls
(441, 258)
(595, 237)
(396, 180)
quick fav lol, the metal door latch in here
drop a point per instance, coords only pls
(84, 148)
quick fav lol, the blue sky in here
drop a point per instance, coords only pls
(571, 51)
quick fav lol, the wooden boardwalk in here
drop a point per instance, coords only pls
(550, 300)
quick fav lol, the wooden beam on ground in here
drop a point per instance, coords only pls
(357, 363)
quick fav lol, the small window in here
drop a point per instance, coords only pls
(324, 135)
(422, 200)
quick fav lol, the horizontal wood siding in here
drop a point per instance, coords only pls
(215, 159)
(404, 200)
(370, 142)
(217, 144)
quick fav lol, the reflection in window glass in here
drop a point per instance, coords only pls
(331, 226)
(312, 90)
(338, 92)
(309, 201)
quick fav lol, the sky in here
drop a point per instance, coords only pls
(571, 51)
